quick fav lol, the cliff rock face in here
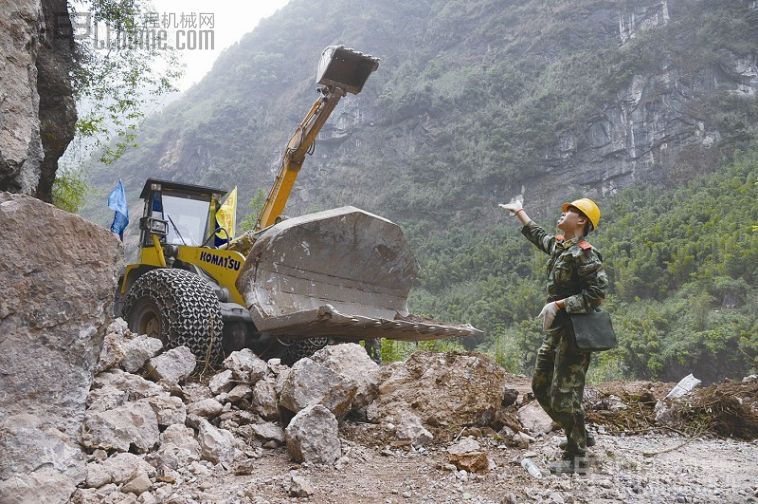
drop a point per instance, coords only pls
(57, 279)
(37, 109)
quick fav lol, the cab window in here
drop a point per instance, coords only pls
(187, 219)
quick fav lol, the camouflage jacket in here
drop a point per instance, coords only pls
(574, 272)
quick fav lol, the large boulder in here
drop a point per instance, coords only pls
(309, 383)
(216, 445)
(132, 425)
(264, 400)
(40, 463)
(57, 279)
(312, 436)
(173, 366)
(351, 361)
(178, 448)
(246, 366)
(447, 391)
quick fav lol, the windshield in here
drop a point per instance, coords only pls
(188, 216)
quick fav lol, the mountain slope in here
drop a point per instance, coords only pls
(476, 101)
(472, 101)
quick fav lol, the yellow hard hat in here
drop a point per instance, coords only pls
(587, 207)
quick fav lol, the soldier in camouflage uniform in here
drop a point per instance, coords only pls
(576, 283)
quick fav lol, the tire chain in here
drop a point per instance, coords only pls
(189, 308)
(298, 349)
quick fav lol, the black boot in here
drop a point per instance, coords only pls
(590, 442)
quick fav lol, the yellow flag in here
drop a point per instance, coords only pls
(226, 217)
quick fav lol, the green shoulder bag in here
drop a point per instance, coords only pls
(593, 331)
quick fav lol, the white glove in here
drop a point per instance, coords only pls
(512, 207)
(548, 313)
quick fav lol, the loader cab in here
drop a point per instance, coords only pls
(180, 214)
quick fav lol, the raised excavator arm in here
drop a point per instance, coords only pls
(340, 71)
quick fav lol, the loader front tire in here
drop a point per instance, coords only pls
(178, 307)
(296, 350)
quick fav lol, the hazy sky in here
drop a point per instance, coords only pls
(232, 19)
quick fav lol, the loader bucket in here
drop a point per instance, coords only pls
(345, 68)
(343, 273)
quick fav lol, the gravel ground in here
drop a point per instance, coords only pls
(703, 470)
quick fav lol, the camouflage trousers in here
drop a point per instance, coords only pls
(558, 383)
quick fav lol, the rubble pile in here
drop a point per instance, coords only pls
(728, 409)
(151, 425)
(155, 432)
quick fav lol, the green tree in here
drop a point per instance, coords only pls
(254, 209)
(112, 83)
(69, 190)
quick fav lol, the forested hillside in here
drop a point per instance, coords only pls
(683, 266)
(648, 106)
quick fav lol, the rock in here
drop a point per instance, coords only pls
(38, 461)
(663, 413)
(312, 436)
(172, 366)
(281, 379)
(168, 409)
(534, 419)
(178, 448)
(38, 111)
(53, 314)
(112, 352)
(246, 366)
(409, 430)
(299, 486)
(520, 440)
(205, 408)
(123, 467)
(216, 445)
(140, 483)
(135, 386)
(137, 351)
(104, 399)
(555, 498)
(467, 455)
(509, 397)
(147, 498)
(447, 391)
(221, 382)
(264, 401)
(269, 431)
(351, 361)
(133, 424)
(118, 326)
(97, 475)
(309, 383)
(239, 393)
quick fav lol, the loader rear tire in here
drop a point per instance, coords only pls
(178, 307)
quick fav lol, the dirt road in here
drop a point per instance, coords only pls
(701, 471)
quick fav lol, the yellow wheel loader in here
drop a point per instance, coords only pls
(291, 285)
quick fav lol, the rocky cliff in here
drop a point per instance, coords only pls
(37, 109)
(473, 102)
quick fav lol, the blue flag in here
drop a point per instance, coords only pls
(117, 203)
